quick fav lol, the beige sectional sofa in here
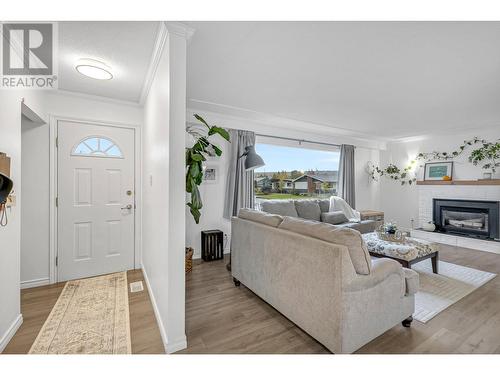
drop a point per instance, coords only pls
(314, 209)
(321, 277)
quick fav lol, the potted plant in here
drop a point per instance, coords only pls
(489, 154)
(195, 156)
(390, 228)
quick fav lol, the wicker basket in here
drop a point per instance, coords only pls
(189, 259)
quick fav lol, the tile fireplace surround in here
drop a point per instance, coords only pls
(426, 194)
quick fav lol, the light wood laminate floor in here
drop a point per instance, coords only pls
(36, 304)
(221, 318)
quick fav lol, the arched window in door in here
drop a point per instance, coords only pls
(97, 146)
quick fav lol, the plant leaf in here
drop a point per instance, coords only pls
(201, 119)
(197, 157)
(217, 150)
(189, 183)
(196, 198)
(218, 130)
(195, 213)
(194, 169)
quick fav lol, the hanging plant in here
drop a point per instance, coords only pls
(489, 154)
(404, 176)
(195, 156)
(435, 155)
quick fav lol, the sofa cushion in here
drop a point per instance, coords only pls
(324, 205)
(341, 236)
(308, 209)
(364, 226)
(335, 217)
(279, 207)
(260, 217)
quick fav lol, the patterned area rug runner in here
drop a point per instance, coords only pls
(91, 316)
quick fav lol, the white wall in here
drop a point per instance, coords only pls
(35, 142)
(35, 203)
(400, 203)
(10, 143)
(367, 191)
(89, 107)
(163, 192)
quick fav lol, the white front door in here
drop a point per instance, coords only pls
(96, 204)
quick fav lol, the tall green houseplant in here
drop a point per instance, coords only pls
(195, 156)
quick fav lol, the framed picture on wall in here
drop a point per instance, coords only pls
(211, 174)
(438, 171)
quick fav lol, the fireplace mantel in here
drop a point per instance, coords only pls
(461, 182)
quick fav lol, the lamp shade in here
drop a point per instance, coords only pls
(5, 188)
(252, 160)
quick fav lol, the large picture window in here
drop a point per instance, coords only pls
(296, 172)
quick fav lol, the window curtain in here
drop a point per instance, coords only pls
(239, 186)
(346, 188)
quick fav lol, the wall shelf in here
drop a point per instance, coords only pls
(461, 182)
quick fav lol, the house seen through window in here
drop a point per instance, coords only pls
(296, 172)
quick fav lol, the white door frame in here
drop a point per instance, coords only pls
(53, 123)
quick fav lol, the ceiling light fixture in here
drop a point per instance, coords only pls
(93, 69)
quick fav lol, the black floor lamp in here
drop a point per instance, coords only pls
(252, 161)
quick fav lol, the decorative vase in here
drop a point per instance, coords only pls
(429, 226)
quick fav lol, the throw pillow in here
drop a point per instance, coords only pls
(308, 209)
(279, 207)
(335, 217)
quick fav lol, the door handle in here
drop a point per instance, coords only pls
(127, 207)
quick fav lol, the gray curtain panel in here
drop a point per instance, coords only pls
(346, 184)
(239, 185)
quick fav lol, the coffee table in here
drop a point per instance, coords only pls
(411, 251)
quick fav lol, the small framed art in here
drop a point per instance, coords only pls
(438, 171)
(211, 174)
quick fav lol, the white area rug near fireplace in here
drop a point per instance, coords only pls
(439, 291)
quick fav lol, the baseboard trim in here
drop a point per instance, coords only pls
(177, 345)
(198, 255)
(34, 283)
(174, 346)
(11, 331)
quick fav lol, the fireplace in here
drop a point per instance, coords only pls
(477, 219)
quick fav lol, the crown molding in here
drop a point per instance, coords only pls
(30, 114)
(266, 124)
(161, 38)
(164, 28)
(466, 131)
(93, 97)
(179, 29)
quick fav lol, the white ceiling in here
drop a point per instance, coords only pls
(126, 47)
(388, 79)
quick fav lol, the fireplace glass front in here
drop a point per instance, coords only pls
(461, 221)
(478, 219)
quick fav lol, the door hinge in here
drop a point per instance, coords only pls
(57, 261)
(57, 201)
(57, 141)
